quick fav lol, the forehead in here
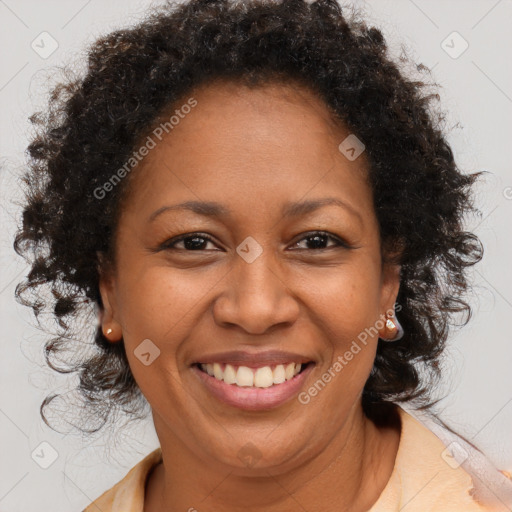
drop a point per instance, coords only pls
(267, 112)
(266, 141)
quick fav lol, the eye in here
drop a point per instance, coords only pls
(198, 241)
(191, 242)
(317, 240)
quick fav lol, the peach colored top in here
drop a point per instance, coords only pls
(425, 478)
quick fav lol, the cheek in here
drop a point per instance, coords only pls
(156, 301)
(158, 314)
(346, 301)
(347, 308)
(158, 309)
(341, 377)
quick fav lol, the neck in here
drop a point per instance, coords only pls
(349, 475)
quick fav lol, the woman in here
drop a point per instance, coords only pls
(268, 220)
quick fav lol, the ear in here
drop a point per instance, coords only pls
(111, 328)
(392, 252)
(390, 284)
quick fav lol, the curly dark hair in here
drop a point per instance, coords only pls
(93, 123)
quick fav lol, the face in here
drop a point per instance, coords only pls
(253, 284)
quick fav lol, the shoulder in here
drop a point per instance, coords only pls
(436, 471)
(128, 494)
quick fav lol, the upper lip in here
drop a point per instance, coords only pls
(254, 359)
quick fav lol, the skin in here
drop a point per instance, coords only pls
(253, 150)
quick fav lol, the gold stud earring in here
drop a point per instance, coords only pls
(109, 331)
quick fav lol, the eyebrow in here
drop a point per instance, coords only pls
(290, 209)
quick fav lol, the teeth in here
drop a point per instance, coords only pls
(217, 371)
(229, 375)
(244, 376)
(263, 378)
(279, 374)
(289, 371)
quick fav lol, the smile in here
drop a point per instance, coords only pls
(253, 388)
(243, 376)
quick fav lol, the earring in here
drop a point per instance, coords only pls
(107, 332)
(394, 327)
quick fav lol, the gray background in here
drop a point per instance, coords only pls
(476, 91)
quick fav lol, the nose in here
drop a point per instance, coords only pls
(256, 297)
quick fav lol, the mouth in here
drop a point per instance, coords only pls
(254, 377)
(252, 387)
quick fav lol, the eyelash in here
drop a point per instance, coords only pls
(169, 245)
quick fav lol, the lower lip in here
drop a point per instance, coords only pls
(252, 398)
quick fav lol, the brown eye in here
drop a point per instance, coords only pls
(317, 241)
(191, 242)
